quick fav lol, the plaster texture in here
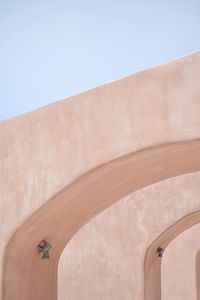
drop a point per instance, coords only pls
(110, 250)
(178, 266)
(44, 151)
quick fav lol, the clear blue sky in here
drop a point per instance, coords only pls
(53, 49)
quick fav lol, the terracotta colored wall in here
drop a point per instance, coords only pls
(178, 269)
(109, 251)
(43, 151)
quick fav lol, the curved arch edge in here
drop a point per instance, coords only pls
(25, 275)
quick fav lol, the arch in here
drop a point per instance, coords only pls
(153, 257)
(26, 275)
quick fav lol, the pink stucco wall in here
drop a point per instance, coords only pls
(178, 269)
(43, 151)
(109, 251)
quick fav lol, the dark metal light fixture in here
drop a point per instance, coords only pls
(160, 252)
(44, 248)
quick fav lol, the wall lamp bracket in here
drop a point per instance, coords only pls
(43, 248)
(160, 251)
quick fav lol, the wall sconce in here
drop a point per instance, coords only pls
(160, 252)
(44, 248)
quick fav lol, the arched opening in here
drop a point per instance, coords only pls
(154, 254)
(105, 258)
(178, 276)
(26, 275)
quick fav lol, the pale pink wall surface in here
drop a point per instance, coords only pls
(178, 266)
(109, 251)
(43, 151)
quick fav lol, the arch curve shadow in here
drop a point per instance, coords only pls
(25, 274)
(152, 264)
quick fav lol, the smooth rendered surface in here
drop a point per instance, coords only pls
(62, 216)
(152, 268)
(45, 151)
(110, 250)
(197, 262)
(179, 265)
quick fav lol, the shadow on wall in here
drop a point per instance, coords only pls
(153, 258)
(58, 220)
